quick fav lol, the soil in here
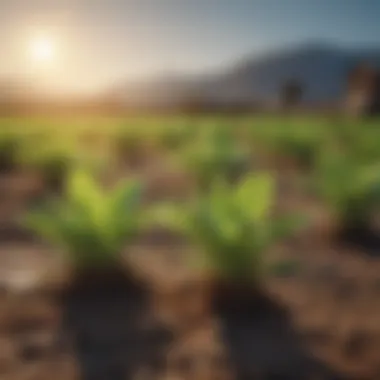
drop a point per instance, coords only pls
(365, 238)
(319, 323)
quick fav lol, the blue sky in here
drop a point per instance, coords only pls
(101, 41)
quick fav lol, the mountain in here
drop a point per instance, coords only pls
(321, 68)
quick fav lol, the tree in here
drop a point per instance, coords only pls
(291, 93)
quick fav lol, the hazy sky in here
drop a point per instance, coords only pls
(98, 42)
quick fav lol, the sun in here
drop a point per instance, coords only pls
(42, 49)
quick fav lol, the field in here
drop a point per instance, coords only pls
(224, 248)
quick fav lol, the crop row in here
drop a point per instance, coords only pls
(230, 219)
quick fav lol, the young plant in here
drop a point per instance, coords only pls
(350, 188)
(215, 154)
(9, 149)
(174, 137)
(363, 144)
(90, 224)
(51, 159)
(130, 145)
(300, 145)
(233, 227)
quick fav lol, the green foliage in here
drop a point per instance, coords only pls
(361, 143)
(366, 146)
(173, 137)
(54, 158)
(215, 153)
(53, 162)
(350, 188)
(129, 143)
(233, 226)
(10, 144)
(91, 224)
(298, 142)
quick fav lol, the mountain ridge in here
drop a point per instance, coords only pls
(321, 68)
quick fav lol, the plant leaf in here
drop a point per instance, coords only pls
(284, 226)
(255, 195)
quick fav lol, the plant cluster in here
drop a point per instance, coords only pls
(349, 187)
(90, 223)
(10, 146)
(231, 225)
(231, 219)
(129, 144)
(214, 153)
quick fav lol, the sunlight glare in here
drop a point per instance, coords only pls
(42, 49)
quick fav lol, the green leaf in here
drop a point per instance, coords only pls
(92, 225)
(255, 195)
(127, 195)
(43, 224)
(284, 226)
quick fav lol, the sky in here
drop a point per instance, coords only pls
(98, 43)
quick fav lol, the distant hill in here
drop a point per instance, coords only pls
(12, 90)
(322, 68)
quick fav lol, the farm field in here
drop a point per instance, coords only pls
(190, 247)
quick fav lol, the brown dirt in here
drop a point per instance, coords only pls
(320, 323)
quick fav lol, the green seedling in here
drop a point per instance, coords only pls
(174, 137)
(91, 224)
(51, 158)
(215, 154)
(129, 144)
(232, 226)
(10, 145)
(300, 144)
(350, 188)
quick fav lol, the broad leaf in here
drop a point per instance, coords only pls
(256, 196)
(91, 224)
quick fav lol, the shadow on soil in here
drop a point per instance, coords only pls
(262, 343)
(13, 233)
(367, 240)
(111, 333)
